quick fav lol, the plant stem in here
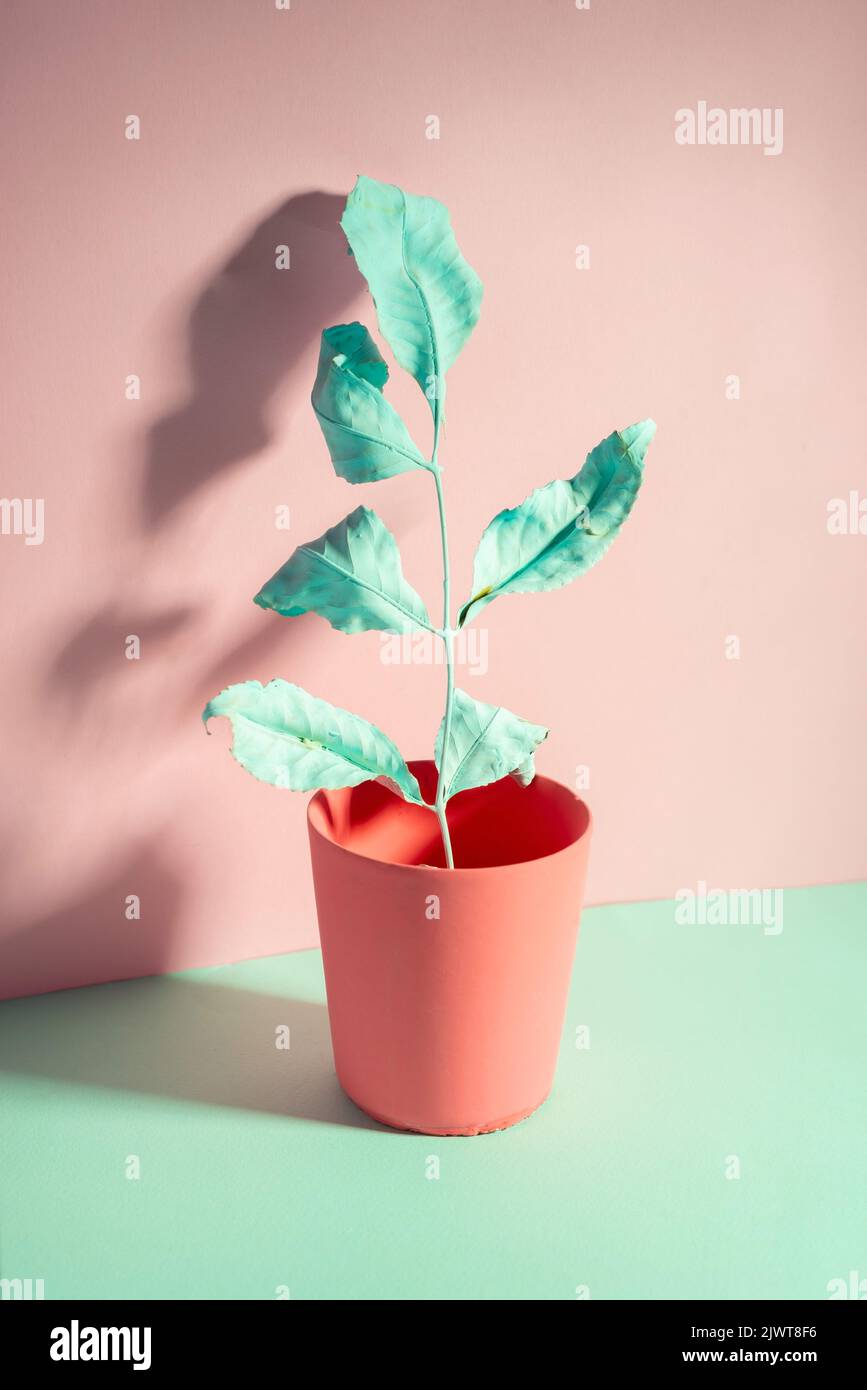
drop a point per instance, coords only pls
(447, 636)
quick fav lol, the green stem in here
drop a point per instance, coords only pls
(446, 634)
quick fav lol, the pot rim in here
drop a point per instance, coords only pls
(586, 834)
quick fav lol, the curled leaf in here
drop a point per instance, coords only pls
(366, 437)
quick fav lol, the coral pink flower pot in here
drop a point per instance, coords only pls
(447, 988)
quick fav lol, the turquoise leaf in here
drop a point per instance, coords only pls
(351, 576)
(608, 483)
(366, 437)
(561, 530)
(486, 743)
(427, 297)
(291, 739)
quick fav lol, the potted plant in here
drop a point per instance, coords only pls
(448, 892)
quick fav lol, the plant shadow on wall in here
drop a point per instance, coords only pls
(183, 1040)
(247, 330)
(91, 653)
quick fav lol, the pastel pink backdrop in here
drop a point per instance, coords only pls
(156, 257)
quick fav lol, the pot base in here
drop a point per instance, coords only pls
(466, 1132)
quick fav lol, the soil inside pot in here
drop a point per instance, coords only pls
(490, 826)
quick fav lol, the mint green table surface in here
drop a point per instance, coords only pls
(712, 1050)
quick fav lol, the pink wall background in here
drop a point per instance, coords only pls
(156, 257)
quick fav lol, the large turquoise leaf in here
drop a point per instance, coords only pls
(366, 438)
(485, 744)
(289, 738)
(427, 297)
(560, 531)
(352, 576)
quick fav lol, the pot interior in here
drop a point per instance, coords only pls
(500, 824)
